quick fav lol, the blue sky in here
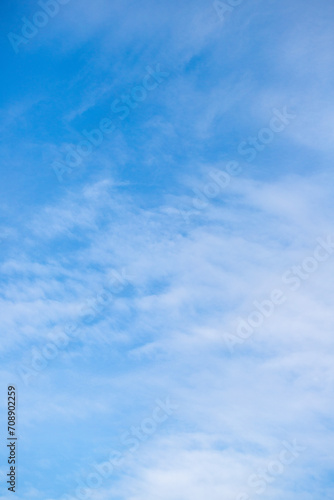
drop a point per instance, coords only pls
(166, 290)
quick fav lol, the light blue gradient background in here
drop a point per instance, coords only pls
(190, 277)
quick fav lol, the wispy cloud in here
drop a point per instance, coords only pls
(206, 216)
